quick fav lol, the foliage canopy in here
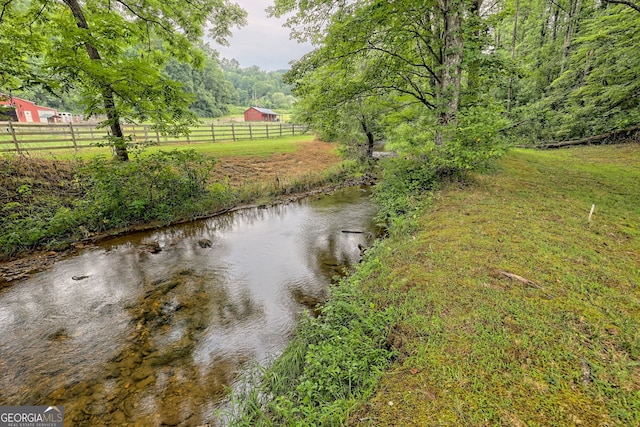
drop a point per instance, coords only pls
(112, 53)
(463, 76)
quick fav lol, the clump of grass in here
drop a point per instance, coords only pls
(333, 362)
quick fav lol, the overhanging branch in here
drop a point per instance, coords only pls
(632, 5)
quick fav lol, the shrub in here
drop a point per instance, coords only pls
(151, 188)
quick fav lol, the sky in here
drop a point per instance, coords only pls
(263, 41)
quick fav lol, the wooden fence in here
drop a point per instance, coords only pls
(25, 137)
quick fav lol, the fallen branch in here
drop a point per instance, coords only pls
(524, 281)
(605, 138)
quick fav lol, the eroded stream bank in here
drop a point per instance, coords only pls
(150, 328)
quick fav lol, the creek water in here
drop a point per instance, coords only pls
(151, 328)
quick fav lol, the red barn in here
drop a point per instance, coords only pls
(28, 112)
(257, 114)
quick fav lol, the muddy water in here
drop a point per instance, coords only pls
(151, 328)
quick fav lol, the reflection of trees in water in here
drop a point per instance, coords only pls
(171, 364)
(218, 224)
(331, 251)
(331, 258)
(335, 248)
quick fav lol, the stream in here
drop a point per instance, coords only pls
(152, 328)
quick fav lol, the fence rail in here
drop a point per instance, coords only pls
(25, 137)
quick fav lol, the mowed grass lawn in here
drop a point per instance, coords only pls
(516, 310)
(256, 147)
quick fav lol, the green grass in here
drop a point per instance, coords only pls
(504, 306)
(480, 348)
(256, 147)
(260, 147)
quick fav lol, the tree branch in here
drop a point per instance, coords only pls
(556, 4)
(626, 3)
(44, 5)
(402, 59)
(145, 19)
(4, 8)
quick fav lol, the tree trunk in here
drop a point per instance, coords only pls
(572, 25)
(370, 144)
(556, 19)
(370, 138)
(474, 67)
(451, 75)
(113, 118)
(514, 39)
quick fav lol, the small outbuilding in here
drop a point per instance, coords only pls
(257, 114)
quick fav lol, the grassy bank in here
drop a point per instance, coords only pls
(48, 204)
(501, 303)
(257, 147)
(518, 310)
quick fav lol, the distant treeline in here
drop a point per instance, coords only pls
(215, 87)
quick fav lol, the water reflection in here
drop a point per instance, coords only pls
(149, 329)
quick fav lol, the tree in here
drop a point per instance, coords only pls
(113, 53)
(336, 101)
(419, 51)
(600, 90)
(212, 92)
(253, 85)
(574, 67)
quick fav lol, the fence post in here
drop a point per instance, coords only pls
(73, 137)
(266, 125)
(13, 135)
(158, 136)
(293, 130)
(280, 129)
(233, 132)
(146, 133)
(213, 133)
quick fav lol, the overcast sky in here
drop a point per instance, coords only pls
(263, 41)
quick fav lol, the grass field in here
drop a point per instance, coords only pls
(260, 148)
(54, 138)
(517, 307)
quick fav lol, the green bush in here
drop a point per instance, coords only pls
(161, 186)
(152, 187)
(404, 185)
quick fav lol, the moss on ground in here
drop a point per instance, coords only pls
(516, 309)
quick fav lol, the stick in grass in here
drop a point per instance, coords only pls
(593, 207)
(525, 281)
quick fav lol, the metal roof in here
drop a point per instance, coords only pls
(265, 110)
